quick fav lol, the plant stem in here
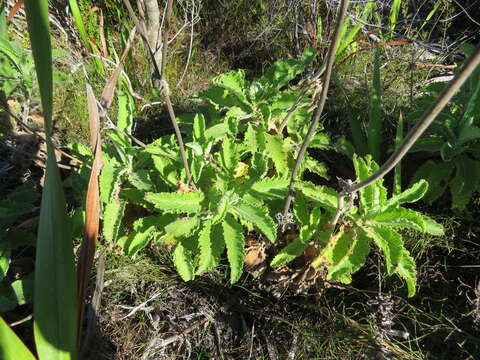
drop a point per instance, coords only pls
(299, 98)
(423, 124)
(320, 106)
(159, 82)
(166, 93)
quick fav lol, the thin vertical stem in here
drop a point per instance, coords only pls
(320, 106)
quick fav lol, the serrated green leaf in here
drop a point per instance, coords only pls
(271, 188)
(136, 197)
(390, 242)
(374, 195)
(323, 195)
(182, 227)
(218, 242)
(216, 132)
(189, 202)
(259, 165)
(112, 219)
(143, 231)
(141, 180)
(219, 97)
(406, 269)
(316, 167)
(398, 218)
(432, 227)
(282, 71)
(235, 244)
(125, 106)
(167, 169)
(320, 141)
(398, 259)
(234, 82)
(274, 149)
(222, 207)
(182, 259)
(348, 255)
(250, 140)
(229, 156)
(289, 252)
(412, 194)
(256, 216)
(206, 259)
(110, 180)
(199, 127)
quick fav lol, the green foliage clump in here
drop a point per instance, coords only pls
(454, 136)
(240, 161)
(17, 204)
(376, 219)
(239, 164)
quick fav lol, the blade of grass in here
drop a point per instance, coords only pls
(347, 38)
(55, 302)
(430, 14)
(394, 11)
(375, 117)
(77, 18)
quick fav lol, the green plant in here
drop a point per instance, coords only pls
(369, 143)
(17, 68)
(454, 136)
(238, 161)
(55, 306)
(241, 176)
(16, 205)
(375, 220)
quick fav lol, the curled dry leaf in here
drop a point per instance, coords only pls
(92, 208)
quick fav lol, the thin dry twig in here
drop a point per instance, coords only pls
(21, 321)
(156, 343)
(139, 307)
